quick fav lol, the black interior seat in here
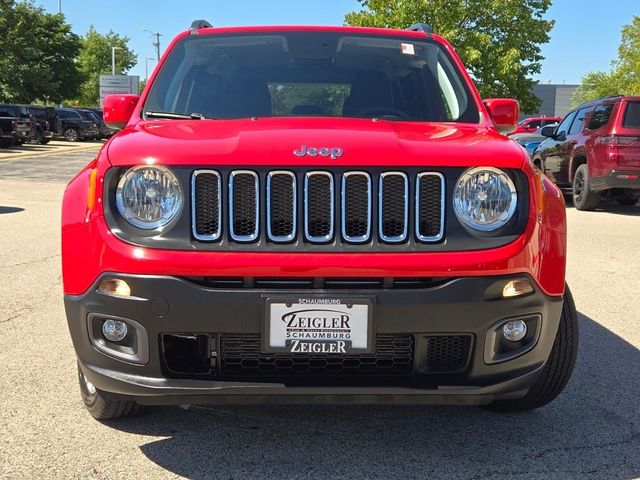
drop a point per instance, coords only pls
(369, 89)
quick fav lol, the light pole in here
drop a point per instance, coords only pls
(146, 69)
(60, 7)
(156, 43)
(113, 59)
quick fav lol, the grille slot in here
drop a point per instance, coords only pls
(394, 207)
(281, 206)
(244, 207)
(356, 207)
(318, 207)
(206, 214)
(448, 353)
(430, 196)
(240, 355)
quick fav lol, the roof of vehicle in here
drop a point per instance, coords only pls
(609, 98)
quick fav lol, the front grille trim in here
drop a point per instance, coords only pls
(361, 238)
(440, 235)
(254, 235)
(325, 238)
(194, 208)
(294, 209)
(405, 232)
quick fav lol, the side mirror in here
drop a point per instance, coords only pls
(548, 131)
(504, 112)
(117, 110)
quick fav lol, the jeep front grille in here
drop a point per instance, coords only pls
(350, 207)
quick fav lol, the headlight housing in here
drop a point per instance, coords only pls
(149, 197)
(484, 199)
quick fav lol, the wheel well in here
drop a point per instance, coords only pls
(537, 162)
(575, 164)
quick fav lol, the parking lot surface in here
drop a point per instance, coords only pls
(592, 431)
(54, 147)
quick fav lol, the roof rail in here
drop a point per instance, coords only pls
(198, 24)
(421, 27)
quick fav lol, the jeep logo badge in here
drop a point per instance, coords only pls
(334, 153)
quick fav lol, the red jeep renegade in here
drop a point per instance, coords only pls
(306, 214)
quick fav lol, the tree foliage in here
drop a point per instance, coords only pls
(624, 77)
(95, 60)
(37, 54)
(498, 41)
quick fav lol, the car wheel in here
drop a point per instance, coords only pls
(38, 138)
(6, 143)
(583, 197)
(627, 202)
(71, 135)
(102, 408)
(557, 371)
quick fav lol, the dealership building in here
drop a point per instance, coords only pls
(556, 99)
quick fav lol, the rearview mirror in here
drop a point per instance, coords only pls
(117, 110)
(504, 112)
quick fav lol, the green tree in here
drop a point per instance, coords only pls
(498, 41)
(624, 77)
(95, 60)
(37, 54)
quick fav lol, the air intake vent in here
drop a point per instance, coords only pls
(356, 207)
(281, 206)
(448, 353)
(318, 207)
(243, 206)
(206, 217)
(394, 207)
(430, 207)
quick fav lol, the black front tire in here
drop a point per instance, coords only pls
(583, 197)
(557, 371)
(102, 408)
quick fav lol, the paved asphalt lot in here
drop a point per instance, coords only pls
(591, 431)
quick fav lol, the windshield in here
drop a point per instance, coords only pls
(322, 74)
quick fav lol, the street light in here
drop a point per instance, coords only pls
(113, 59)
(157, 42)
(146, 69)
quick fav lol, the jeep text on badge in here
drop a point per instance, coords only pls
(222, 247)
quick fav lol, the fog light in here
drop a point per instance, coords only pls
(515, 330)
(115, 286)
(114, 330)
(517, 288)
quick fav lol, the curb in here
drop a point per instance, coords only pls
(51, 152)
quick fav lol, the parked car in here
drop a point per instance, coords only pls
(531, 124)
(105, 132)
(74, 127)
(325, 214)
(15, 125)
(595, 152)
(90, 115)
(43, 129)
(531, 141)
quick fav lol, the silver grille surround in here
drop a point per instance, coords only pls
(362, 238)
(254, 236)
(440, 235)
(294, 208)
(194, 226)
(405, 232)
(330, 235)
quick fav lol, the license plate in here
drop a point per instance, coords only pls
(318, 326)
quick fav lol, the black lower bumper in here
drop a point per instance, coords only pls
(627, 179)
(462, 307)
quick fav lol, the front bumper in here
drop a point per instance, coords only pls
(459, 306)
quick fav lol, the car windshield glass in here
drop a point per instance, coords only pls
(322, 74)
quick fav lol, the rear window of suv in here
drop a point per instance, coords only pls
(632, 115)
(600, 116)
(325, 74)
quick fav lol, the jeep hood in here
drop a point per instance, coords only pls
(272, 141)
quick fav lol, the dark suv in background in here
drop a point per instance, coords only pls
(74, 127)
(43, 124)
(15, 125)
(595, 152)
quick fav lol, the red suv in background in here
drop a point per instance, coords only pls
(595, 151)
(531, 124)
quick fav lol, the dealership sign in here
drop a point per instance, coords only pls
(118, 84)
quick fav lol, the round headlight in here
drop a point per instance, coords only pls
(484, 199)
(149, 197)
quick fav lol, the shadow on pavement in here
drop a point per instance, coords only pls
(590, 431)
(4, 210)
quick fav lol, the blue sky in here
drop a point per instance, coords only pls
(585, 38)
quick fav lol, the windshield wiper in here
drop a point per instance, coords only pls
(177, 116)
